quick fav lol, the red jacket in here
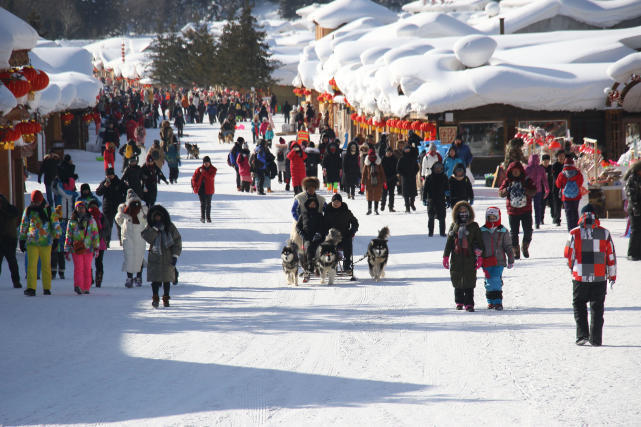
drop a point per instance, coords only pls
(109, 156)
(594, 261)
(205, 175)
(569, 173)
(518, 191)
(297, 165)
(131, 129)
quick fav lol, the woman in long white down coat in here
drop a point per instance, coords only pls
(132, 219)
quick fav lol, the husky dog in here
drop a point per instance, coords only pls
(327, 256)
(192, 150)
(289, 256)
(221, 138)
(377, 254)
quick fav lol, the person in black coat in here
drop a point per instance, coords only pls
(9, 222)
(310, 227)
(351, 169)
(287, 108)
(132, 176)
(332, 167)
(179, 121)
(49, 168)
(66, 169)
(390, 164)
(556, 201)
(460, 186)
(313, 160)
(110, 135)
(113, 192)
(434, 191)
(337, 215)
(151, 176)
(406, 170)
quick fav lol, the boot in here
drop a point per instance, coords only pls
(154, 301)
(77, 290)
(391, 208)
(526, 249)
(129, 283)
(61, 274)
(287, 187)
(138, 281)
(30, 292)
(165, 300)
(46, 292)
(517, 252)
(92, 280)
(99, 279)
(17, 285)
(175, 282)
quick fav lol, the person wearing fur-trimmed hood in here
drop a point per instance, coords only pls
(132, 219)
(373, 180)
(165, 246)
(497, 255)
(462, 254)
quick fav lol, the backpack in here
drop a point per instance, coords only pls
(129, 151)
(571, 190)
(518, 198)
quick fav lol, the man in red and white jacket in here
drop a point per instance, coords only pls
(592, 259)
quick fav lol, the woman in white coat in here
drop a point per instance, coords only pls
(132, 219)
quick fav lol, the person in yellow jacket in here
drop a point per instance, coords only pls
(39, 230)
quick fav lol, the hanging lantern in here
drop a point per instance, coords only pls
(67, 118)
(40, 81)
(29, 73)
(17, 84)
(87, 118)
(554, 145)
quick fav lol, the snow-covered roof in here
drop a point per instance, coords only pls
(71, 81)
(107, 53)
(564, 70)
(339, 12)
(15, 34)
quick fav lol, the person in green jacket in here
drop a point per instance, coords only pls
(462, 254)
(39, 230)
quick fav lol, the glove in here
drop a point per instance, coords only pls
(509, 266)
(174, 260)
(55, 243)
(23, 245)
(487, 273)
(385, 185)
(612, 280)
(362, 187)
(479, 262)
(446, 262)
(67, 256)
(317, 237)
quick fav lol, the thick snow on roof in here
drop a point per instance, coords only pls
(107, 53)
(339, 12)
(565, 70)
(15, 34)
(71, 83)
(623, 69)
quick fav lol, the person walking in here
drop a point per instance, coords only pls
(497, 254)
(389, 163)
(459, 186)
(244, 169)
(113, 192)
(151, 177)
(557, 202)
(632, 180)
(39, 231)
(434, 190)
(9, 223)
(518, 189)
(537, 174)
(297, 159)
(65, 198)
(82, 242)
(373, 180)
(281, 159)
(407, 169)
(202, 183)
(101, 223)
(165, 246)
(132, 219)
(49, 168)
(592, 261)
(332, 171)
(569, 182)
(173, 162)
(352, 169)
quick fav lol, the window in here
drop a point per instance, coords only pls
(485, 138)
(633, 135)
(554, 127)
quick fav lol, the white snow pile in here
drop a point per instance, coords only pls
(623, 69)
(107, 54)
(405, 66)
(71, 81)
(339, 12)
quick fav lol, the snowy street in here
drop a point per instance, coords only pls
(239, 347)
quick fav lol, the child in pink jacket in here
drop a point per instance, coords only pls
(244, 169)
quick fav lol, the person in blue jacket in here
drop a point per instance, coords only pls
(463, 152)
(451, 161)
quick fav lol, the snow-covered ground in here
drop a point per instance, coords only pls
(240, 347)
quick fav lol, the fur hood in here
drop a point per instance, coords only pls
(363, 149)
(458, 206)
(636, 166)
(369, 162)
(158, 209)
(280, 147)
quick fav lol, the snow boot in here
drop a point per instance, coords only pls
(490, 306)
(376, 212)
(46, 292)
(582, 341)
(526, 249)
(85, 292)
(175, 282)
(382, 207)
(61, 274)
(459, 306)
(517, 252)
(469, 308)
(154, 301)
(498, 307)
(138, 281)
(391, 209)
(412, 205)
(202, 220)
(165, 301)
(30, 292)
(17, 285)
(129, 283)
(77, 290)
(99, 279)
(369, 212)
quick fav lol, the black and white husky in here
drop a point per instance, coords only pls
(290, 259)
(327, 256)
(377, 254)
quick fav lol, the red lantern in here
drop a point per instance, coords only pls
(29, 73)
(370, 121)
(67, 118)
(40, 82)
(17, 84)
(353, 116)
(554, 145)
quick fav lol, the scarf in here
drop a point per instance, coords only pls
(163, 240)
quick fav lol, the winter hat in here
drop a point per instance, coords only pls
(587, 208)
(109, 171)
(93, 202)
(281, 140)
(492, 211)
(36, 196)
(67, 158)
(569, 161)
(337, 197)
(240, 139)
(206, 159)
(432, 146)
(78, 204)
(545, 157)
(84, 187)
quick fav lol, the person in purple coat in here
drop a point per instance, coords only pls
(537, 174)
